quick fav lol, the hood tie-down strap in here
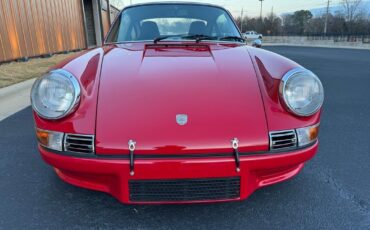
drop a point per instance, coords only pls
(131, 147)
(235, 146)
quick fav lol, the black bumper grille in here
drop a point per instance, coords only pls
(184, 190)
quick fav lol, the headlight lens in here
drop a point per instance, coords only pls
(55, 95)
(302, 92)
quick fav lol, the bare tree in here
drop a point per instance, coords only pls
(302, 22)
(272, 24)
(351, 9)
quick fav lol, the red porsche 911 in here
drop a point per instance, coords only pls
(176, 108)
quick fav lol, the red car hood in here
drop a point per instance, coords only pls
(142, 89)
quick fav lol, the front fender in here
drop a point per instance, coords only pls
(86, 68)
(270, 68)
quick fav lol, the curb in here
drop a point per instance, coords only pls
(6, 91)
(15, 98)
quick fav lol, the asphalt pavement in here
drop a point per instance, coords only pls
(332, 191)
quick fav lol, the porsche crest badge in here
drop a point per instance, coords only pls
(181, 119)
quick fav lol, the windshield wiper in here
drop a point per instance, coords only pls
(196, 37)
(199, 37)
(163, 37)
(232, 38)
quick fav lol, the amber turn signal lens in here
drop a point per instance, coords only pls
(307, 135)
(314, 132)
(42, 136)
(50, 139)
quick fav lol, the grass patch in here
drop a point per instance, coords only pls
(15, 72)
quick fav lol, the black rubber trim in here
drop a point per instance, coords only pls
(174, 156)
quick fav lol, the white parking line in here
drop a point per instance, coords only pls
(15, 98)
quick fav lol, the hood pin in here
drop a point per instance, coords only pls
(131, 147)
(235, 146)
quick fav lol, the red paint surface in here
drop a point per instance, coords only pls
(270, 68)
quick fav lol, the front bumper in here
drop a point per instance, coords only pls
(112, 175)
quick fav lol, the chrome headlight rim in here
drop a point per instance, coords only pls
(76, 98)
(282, 87)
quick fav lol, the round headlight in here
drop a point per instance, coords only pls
(55, 95)
(302, 92)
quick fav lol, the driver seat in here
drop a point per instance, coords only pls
(149, 30)
(197, 28)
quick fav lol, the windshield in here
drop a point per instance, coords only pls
(172, 22)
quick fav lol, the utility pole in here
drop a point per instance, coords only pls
(241, 21)
(261, 9)
(326, 18)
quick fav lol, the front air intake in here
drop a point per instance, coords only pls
(283, 140)
(78, 143)
(184, 190)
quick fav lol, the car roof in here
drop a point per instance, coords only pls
(173, 3)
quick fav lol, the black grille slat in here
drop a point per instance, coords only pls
(187, 182)
(78, 137)
(205, 193)
(78, 149)
(276, 146)
(283, 140)
(161, 198)
(282, 143)
(79, 143)
(184, 189)
(74, 141)
(190, 189)
(198, 187)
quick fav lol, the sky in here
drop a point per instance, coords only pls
(251, 8)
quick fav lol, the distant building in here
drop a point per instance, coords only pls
(44, 27)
